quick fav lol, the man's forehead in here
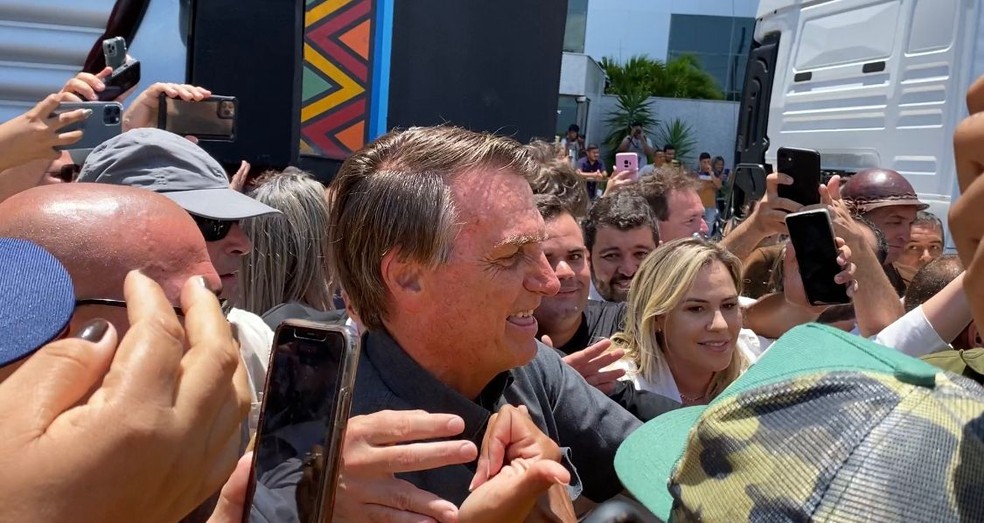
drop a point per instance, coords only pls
(608, 234)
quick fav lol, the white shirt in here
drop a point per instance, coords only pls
(255, 342)
(912, 334)
(663, 382)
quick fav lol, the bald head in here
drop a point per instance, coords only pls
(931, 279)
(101, 232)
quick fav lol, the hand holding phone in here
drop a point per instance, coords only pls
(803, 166)
(103, 123)
(816, 252)
(211, 119)
(627, 162)
(305, 409)
(126, 72)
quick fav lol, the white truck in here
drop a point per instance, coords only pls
(865, 82)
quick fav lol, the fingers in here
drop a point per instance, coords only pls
(543, 474)
(57, 377)
(969, 156)
(609, 377)
(846, 276)
(483, 469)
(232, 498)
(785, 204)
(212, 359)
(390, 427)
(70, 117)
(147, 360)
(833, 186)
(964, 221)
(413, 457)
(583, 357)
(772, 183)
(101, 75)
(238, 182)
(603, 361)
(68, 138)
(546, 341)
(45, 107)
(399, 500)
(189, 93)
(975, 96)
(84, 90)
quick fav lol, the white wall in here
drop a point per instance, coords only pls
(622, 28)
(714, 122)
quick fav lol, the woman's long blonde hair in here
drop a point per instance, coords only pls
(289, 260)
(660, 284)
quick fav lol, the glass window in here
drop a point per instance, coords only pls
(566, 114)
(577, 16)
(720, 43)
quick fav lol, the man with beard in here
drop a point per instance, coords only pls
(578, 327)
(620, 231)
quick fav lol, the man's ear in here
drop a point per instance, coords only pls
(403, 278)
(974, 336)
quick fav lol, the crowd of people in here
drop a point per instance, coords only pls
(541, 340)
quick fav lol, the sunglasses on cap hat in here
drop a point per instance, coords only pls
(213, 230)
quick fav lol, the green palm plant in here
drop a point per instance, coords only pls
(631, 108)
(686, 79)
(681, 135)
(681, 77)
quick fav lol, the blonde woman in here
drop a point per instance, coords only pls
(289, 261)
(682, 322)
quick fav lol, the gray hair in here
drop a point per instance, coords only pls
(395, 196)
(289, 260)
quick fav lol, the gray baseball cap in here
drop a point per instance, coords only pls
(173, 166)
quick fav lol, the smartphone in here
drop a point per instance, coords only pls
(212, 119)
(104, 123)
(114, 51)
(627, 162)
(803, 165)
(305, 408)
(812, 235)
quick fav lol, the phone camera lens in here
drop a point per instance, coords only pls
(112, 115)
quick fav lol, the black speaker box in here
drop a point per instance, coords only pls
(490, 66)
(252, 49)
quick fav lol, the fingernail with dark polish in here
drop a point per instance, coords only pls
(94, 331)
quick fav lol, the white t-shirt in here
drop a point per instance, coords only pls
(255, 342)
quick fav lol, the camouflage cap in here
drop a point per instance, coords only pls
(825, 426)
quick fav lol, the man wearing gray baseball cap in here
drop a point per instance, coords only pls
(175, 167)
(182, 171)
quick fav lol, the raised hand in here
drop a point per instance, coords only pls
(590, 362)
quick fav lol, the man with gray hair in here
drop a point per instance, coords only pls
(437, 242)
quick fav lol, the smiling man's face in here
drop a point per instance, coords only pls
(568, 256)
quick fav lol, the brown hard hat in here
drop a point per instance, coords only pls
(873, 188)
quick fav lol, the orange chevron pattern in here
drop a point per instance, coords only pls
(337, 66)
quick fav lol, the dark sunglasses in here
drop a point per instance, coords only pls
(122, 304)
(213, 230)
(66, 173)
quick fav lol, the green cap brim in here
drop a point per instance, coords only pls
(646, 459)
